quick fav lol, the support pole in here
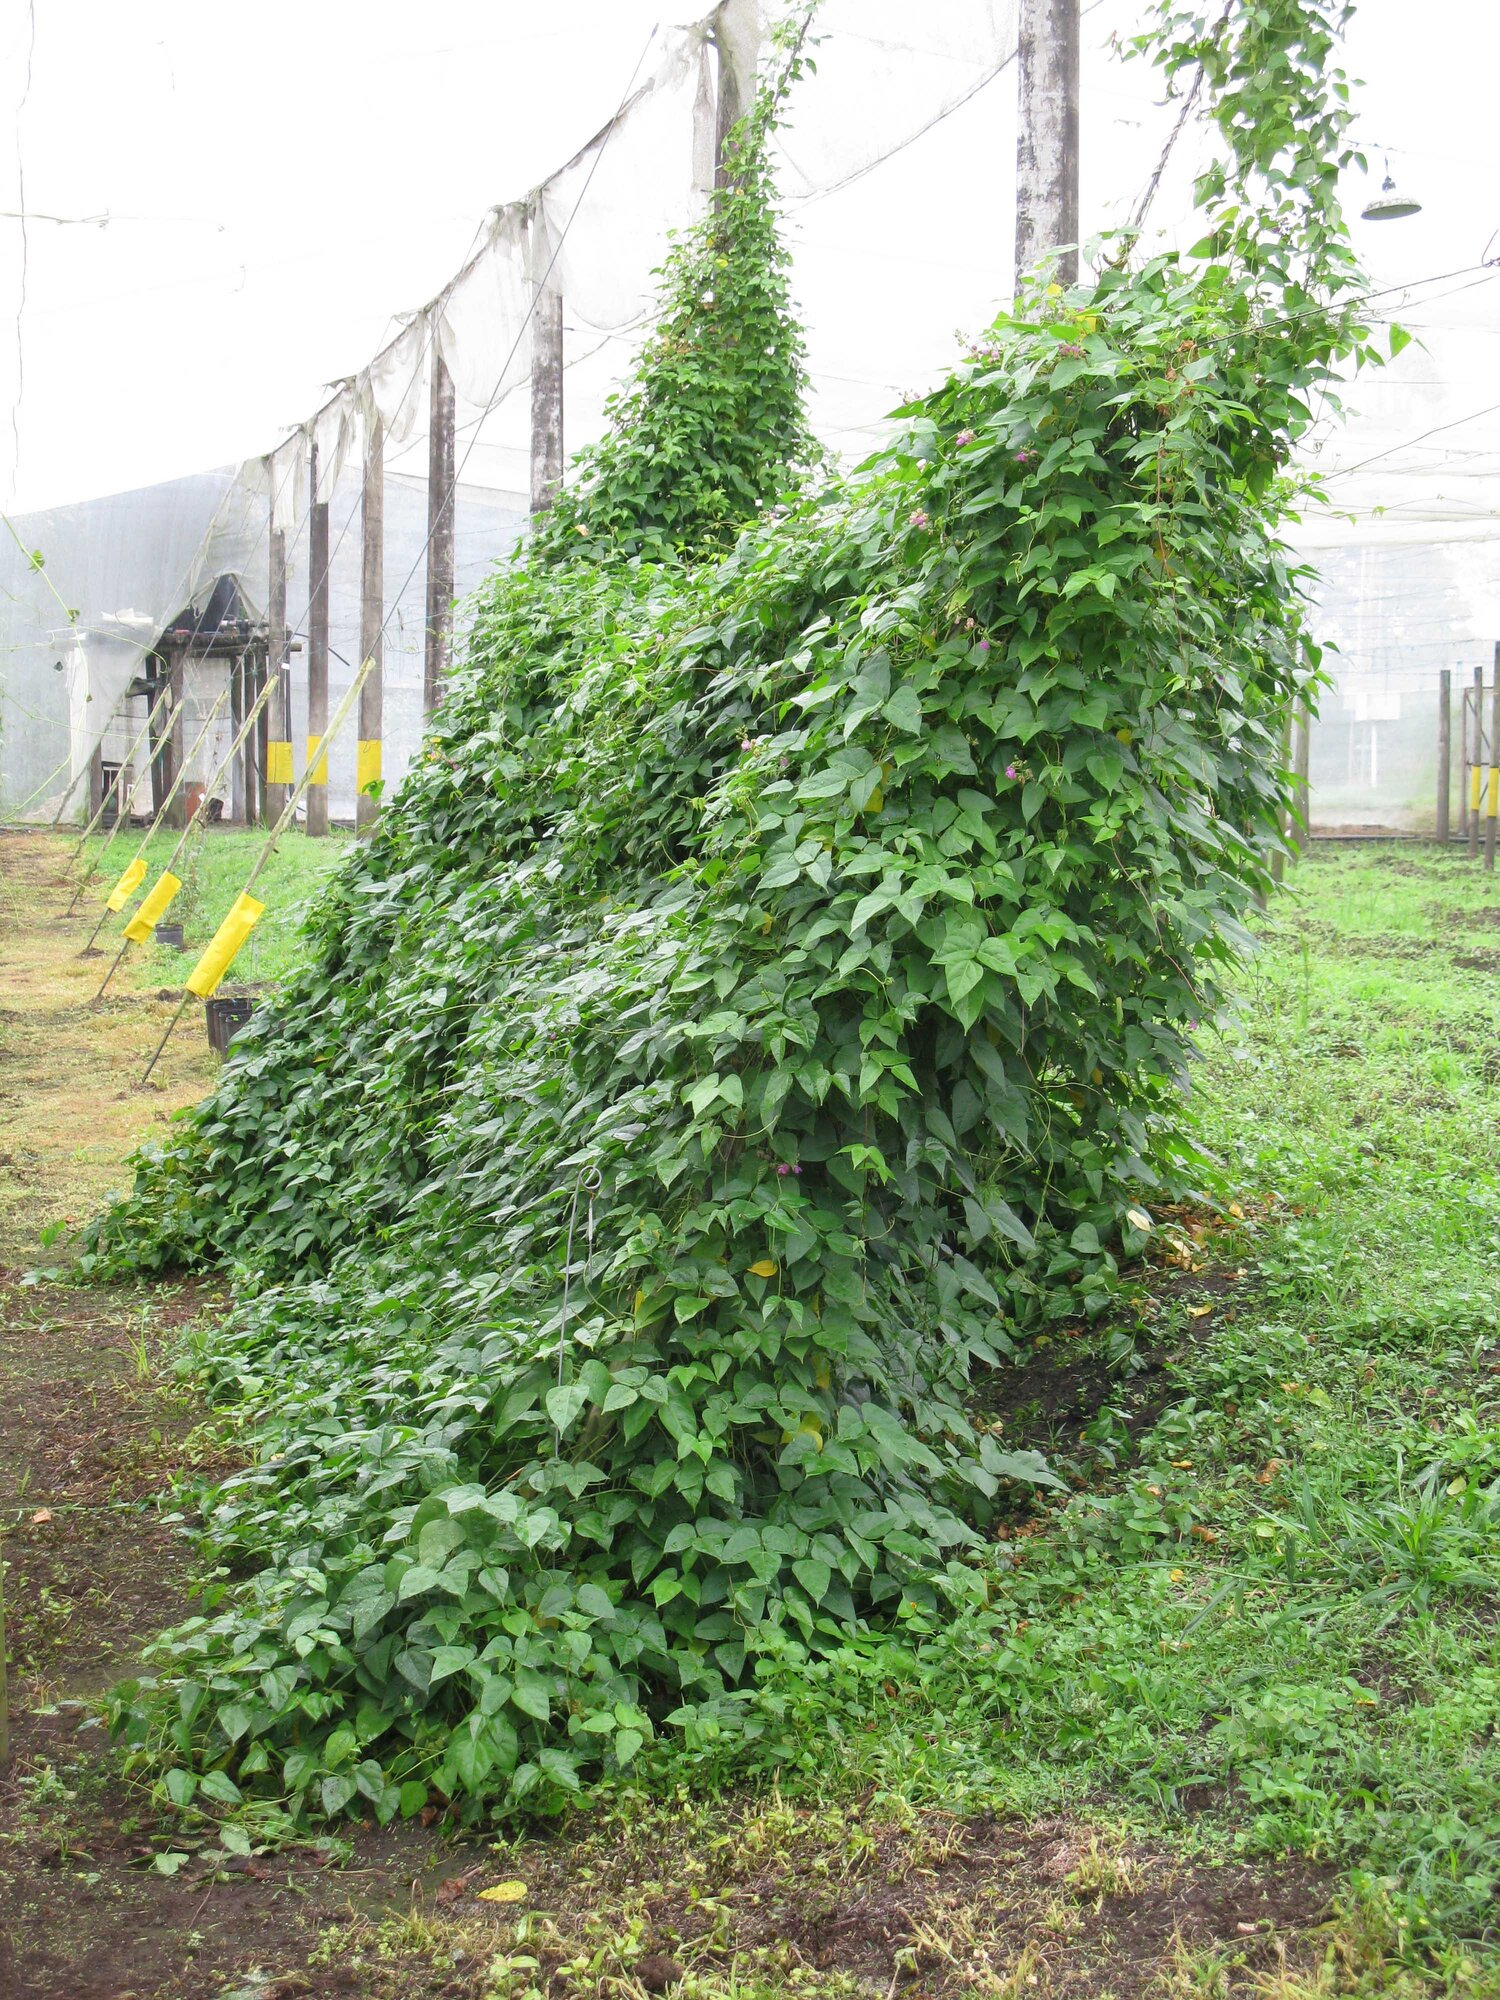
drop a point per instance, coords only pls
(278, 751)
(367, 756)
(1301, 791)
(440, 498)
(1444, 756)
(173, 772)
(1476, 780)
(546, 396)
(734, 33)
(317, 658)
(1047, 136)
(1492, 784)
(236, 717)
(1283, 817)
(1463, 764)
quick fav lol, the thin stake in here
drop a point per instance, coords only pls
(1493, 782)
(177, 783)
(129, 757)
(294, 799)
(200, 814)
(84, 768)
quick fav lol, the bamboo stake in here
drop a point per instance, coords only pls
(97, 864)
(84, 769)
(199, 816)
(166, 805)
(288, 811)
(129, 758)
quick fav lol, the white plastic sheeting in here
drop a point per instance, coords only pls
(897, 169)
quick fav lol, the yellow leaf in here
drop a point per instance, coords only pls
(763, 1268)
(1199, 1312)
(1125, 736)
(503, 1892)
(1138, 1219)
(875, 801)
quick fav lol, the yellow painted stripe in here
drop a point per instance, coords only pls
(1473, 788)
(1494, 792)
(223, 946)
(317, 761)
(367, 763)
(153, 909)
(127, 885)
(279, 764)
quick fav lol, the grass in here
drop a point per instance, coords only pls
(213, 871)
(1225, 1720)
(1271, 1618)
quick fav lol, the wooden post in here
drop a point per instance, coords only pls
(1463, 763)
(1444, 756)
(1477, 772)
(440, 499)
(1283, 818)
(371, 623)
(174, 755)
(1047, 135)
(236, 717)
(278, 743)
(1301, 791)
(733, 33)
(317, 657)
(255, 749)
(1492, 782)
(546, 395)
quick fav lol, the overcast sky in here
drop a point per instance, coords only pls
(227, 205)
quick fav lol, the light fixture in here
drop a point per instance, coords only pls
(1388, 206)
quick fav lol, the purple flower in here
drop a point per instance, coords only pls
(1025, 456)
(984, 645)
(965, 437)
(745, 743)
(783, 1170)
(796, 1170)
(917, 518)
(1072, 349)
(1010, 770)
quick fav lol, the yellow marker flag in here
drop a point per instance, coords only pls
(317, 761)
(367, 763)
(153, 909)
(279, 764)
(127, 885)
(224, 946)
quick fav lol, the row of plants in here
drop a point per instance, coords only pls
(769, 1001)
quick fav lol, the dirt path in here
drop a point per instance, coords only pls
(70, 1109)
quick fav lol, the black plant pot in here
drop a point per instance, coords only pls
(226, 1017)
(169, 935)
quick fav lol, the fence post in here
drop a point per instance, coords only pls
(1463, 763)
(317, 656)
(177, 671)
(1476, 771)
(1445, 754)
(1492, 781)
(278, 753)
(440, 499)
(1301, 792)
(371, 623)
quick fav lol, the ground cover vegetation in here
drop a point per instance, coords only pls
(765, 1010)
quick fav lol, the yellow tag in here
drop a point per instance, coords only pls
(127, 885)
(503, 1892)
(763, 1268)
(153, 909)
(279, 764)
(317, 761)
(1473, 788)
(1494, 792)
(223, 946)
(367, 764)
